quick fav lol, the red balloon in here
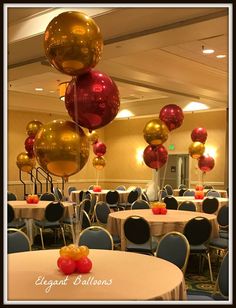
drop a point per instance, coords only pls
(84, 265)
(199, 134)
(67, 265)
(29, 144)
(172, 115)
(92, 99)
(155, 156)
(206, 163)
(99, 148)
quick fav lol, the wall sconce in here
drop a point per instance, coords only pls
(62, 90)
(211, 151)
(139, 156)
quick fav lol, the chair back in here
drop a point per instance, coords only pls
(87, 205)
(10, 213)
(132, 196)
(102, 211)
(169, 189)
(187, 206)
(139, 190)
(54, 211)
(174, 247)
(208, 187)
(162, 193)
(58, 193)
(48, 197)
(144, 197)
(140, 204)
(121, 187)
(171, 203)
(17, 241)
(182, 191)
(182, 186)
(86, 222)
(11, 196)
(223, 216)
(223, 276)
(70, 189)
(197, 230)
(137, 229)
(90, 187)
(210, 205)
(213, 193)
(96, 237)
(189, 192)
(112, 197)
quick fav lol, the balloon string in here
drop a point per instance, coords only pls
(164, 176)
(97, 177)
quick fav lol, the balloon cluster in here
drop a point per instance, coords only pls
(156, 133)
(159, 208)
(26, 160)
(73, 45)
(74, 259)
(196, 149)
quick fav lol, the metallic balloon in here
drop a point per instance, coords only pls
(29, 144)
(93, 137)
(33, 127)
(199, 134)
(196, 149)
(73, 43)
(61, 148)
(155, 132)
(99, 148)
(25, 163)
(206, 163)
(99, 162)
(92, 100)
(172, 115)
(155, 156)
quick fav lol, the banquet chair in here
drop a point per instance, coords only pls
(189, 192)
(58, 193)
(96, 237)
(112, 199)
(132, 196)
(140, 204)
(182, 186)
(139, 190)
(53, 216)
(174, 247)
(182, 191)
(208, 187)
(210, 205)
(17, 241)
(48, 197)
(197, 231)
(90, 187)
(223, 221)
(121, 187)
(213, 193)
(11, 221)
(162, 194)
(11, 196)
(171, 203)
(168, 188)
(138, 235)
(144, 197)
(70, 189)
(87, 205)
(187, 206)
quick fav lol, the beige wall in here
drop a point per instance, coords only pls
(122, 138)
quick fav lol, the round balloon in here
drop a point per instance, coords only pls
(155, 156)
(61, 148)
(99, 162)
(92, 100)
(33, 127)
(99, 148)
(24, 162)
(172, 115)
(73, 43)
(29, 144)
(93, 137)
(196, 149)
(199, 134)
(155, 132)
(206, 163)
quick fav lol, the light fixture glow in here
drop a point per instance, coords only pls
(125, 113)
(210, 151)
(38, 89)
(194, 106)
(207, 50)
(139, 156)
(221, 56)
(62, 90)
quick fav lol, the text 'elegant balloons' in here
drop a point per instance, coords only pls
(93, 137)
(99, 162)
(172, 115)
(25, 163)
(33, 127)
(199, 134)
(155, 156)
(61, 148)
(73, 43)
(92, 100)
(99, 148)
(155, 132)
(206, 163)
(196, 149)
(29, 146)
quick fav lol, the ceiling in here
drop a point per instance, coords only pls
(153, 54)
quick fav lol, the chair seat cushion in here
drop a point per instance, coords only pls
(47, 224)
(219, 242)
(142, 247)
(17, 224)
(224, 234)
(198, 248)
(194, 295)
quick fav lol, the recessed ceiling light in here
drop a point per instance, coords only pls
(194, 106)
(52, 91)
(38, 89)
(208, 50)
(125, 113)
(221, 56)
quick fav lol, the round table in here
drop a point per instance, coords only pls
(174, 220)
(115, 276)
(101, 196)
(222, 192)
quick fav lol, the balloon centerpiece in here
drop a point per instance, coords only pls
(99, 149)
(159, 208)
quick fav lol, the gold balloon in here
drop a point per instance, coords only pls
(33, 127)
(155, 132)
(25, 163)
(93, 136)
(61, 148)
(73, 43)
(99, 162)
(196, 149)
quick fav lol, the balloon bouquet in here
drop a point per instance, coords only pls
(156, 133)
(205, 162)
